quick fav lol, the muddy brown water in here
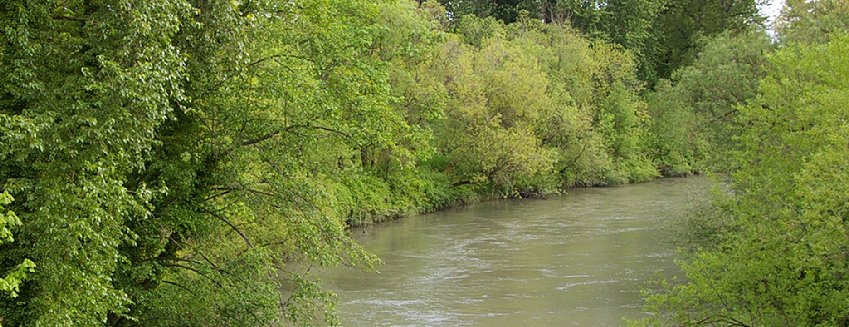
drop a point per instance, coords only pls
(573, 260)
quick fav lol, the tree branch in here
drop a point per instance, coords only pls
(174, 265)
(220, 217)
(272, 134)
(179, 286)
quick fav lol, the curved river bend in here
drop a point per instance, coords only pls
(574, 260)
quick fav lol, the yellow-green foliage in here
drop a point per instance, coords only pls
(693, 116)
(539, 102)
(809, 21)
(783, 259)
(497, 93)
(12, 281)
(186, 162)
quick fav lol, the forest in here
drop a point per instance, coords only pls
(189, 162)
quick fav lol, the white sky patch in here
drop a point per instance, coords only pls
(771, 10)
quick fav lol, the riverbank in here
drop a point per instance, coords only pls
(581, 258)
(375, 200)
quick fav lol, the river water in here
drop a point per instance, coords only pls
(573, 260)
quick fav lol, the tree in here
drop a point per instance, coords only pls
(153, 143)
(783, 259)
(684, 24)
(812, 21)
(507, 11)
(694, 119)
(497, 92)
(81, 104)
(11, 283)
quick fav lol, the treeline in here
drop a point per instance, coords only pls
(186, 162)
(662, 35)
(774, 251)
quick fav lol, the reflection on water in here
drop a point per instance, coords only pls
(575, 260)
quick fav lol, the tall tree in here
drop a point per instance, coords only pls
(506, 11)
(706, 96)
(85, 88)
(783, 261)
(812, 21)
(153, 152)
(684, 24)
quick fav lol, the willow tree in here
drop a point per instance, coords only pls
(496, 95)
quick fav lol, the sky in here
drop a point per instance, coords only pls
(772, 10)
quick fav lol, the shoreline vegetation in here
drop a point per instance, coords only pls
(366, 219)
(184, 162)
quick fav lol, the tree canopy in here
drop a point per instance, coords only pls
(774, 248)
(187, 162)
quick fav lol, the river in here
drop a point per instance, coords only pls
(573, 260)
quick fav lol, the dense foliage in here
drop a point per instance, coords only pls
(663, 35)
(773, 251)
(187, 162)
(783, 258)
